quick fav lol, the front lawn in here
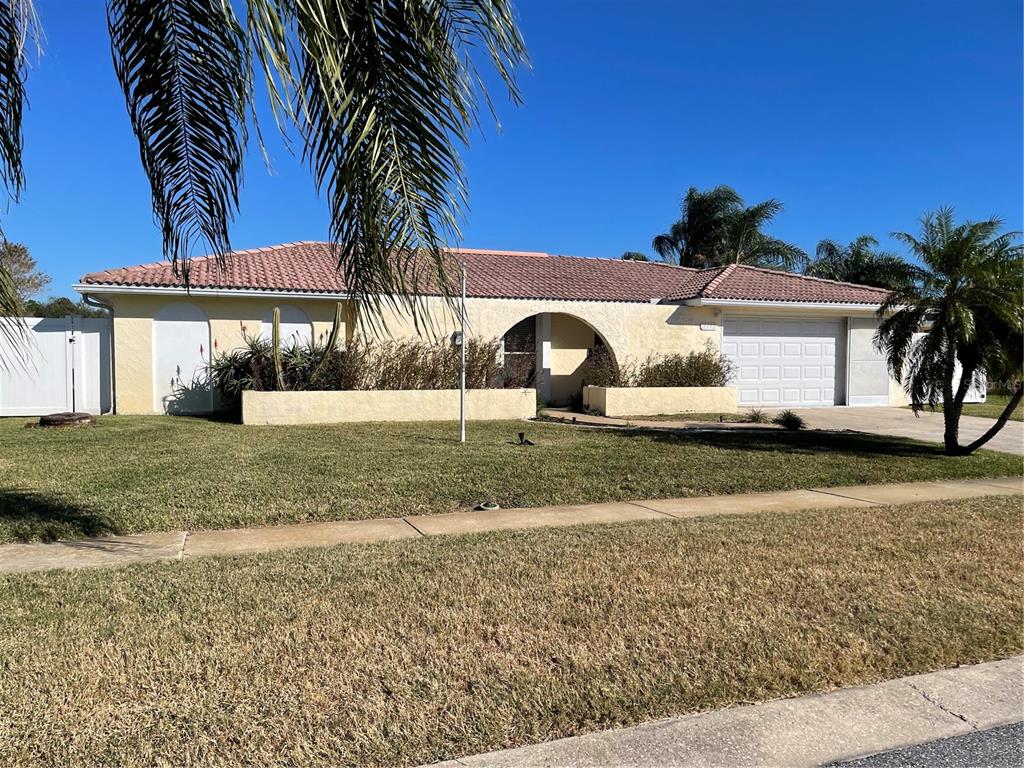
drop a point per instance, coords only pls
(992, 408)
(408, 652)
(131, 474)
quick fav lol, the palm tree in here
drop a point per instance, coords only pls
(859, 262)
(715, 228)
(381, 93)
(700, 231)
(968, 301)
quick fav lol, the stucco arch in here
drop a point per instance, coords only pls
(561, 344)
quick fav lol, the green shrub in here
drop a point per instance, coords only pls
(789, 420)
(756, 416)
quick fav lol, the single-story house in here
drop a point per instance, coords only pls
(795, 340)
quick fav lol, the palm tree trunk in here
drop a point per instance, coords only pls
(1000, 422)
(951, 434)
(951, 407)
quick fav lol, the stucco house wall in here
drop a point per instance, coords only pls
(228, 316)
(637, 310)
(633, 331)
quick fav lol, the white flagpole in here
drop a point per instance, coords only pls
(462, 373)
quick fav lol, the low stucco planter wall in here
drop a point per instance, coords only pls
(385, 405)
(652, 401)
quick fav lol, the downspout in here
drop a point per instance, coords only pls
(92, 301)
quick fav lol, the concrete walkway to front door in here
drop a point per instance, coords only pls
(902, 422)
(175, 545)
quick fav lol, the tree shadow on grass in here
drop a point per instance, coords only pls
(28, 516)
(809, 441)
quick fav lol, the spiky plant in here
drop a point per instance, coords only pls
(275, 347)
(332, 341)
(968, 302)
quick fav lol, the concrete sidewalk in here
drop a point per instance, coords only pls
(805, 731)
(174, 545)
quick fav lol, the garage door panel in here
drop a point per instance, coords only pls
(788, 361)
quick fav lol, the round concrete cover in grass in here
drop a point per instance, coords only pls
(67, 419)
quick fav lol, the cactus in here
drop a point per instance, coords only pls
(332, 339)
(275, 341)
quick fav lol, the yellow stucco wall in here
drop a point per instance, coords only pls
(571, 342)
(632, 331)
(133, 334)
(654, 401)
(394, 405)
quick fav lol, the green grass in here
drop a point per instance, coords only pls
(408, 652)
(992, 408)
(131, 474)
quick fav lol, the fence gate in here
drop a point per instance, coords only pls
(64, 365)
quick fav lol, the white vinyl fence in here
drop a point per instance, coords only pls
(976, 393)
(64, 364)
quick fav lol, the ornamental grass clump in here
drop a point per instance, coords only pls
(706, 368)
(358, 365)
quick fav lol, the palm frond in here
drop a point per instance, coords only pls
(184, 69)
(12, 326)
(18, 25)
(387, 93)
(17, 28)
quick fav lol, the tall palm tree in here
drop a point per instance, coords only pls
(700, 231)
(382, 93)
(968, 301)
(715, 228)
(859, 262)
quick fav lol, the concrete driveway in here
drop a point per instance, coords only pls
(903, 423)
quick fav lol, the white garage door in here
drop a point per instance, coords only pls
(784, 361)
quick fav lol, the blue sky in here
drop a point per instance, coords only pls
(859, 116)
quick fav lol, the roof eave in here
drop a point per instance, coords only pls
(162, 290)
(852, 306)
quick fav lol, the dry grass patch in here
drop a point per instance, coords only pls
(133, 474)
(407, 652)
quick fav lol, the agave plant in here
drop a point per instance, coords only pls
(382, 93)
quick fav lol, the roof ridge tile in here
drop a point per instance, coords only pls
(714, 282)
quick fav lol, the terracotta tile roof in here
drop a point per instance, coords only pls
(310, 267)
(740, 282)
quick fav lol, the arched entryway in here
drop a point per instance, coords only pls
(550, 351)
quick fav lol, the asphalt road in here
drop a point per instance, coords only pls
(1001, 747)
